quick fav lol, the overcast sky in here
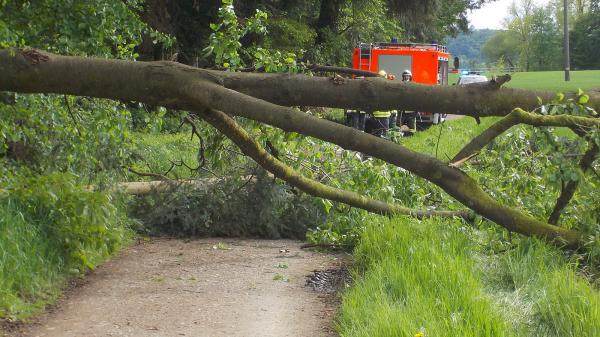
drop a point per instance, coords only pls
(492, 14)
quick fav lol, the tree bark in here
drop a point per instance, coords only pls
(372, 93)
(181, 87)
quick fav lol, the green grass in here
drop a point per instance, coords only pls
(155, 152)
(550, 80)
(51, 229)
(448, 138)
(444, 279)
(554, 81)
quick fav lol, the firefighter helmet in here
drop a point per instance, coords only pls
(382, 73)
(407, 75)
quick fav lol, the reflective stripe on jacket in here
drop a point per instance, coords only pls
(382, 114)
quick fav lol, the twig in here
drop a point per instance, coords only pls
(569, 189)
(170, 168)
(595, 172)
(240, 187)
(201, 150)
(438, 140)
(71, 114)
(323, 245)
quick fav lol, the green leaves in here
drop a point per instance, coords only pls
(96, 27)
(226, 49)
(50, 132)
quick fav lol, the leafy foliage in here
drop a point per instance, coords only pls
(467, 47)
(51, 227)
(99, 27)
(225, 46)
(60, 133)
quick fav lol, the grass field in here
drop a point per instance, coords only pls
(551, 80)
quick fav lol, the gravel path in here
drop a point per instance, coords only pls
(208, 287)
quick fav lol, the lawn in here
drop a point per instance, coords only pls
(551, 80)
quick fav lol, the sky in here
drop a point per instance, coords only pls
(492, 14)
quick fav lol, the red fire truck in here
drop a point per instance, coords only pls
(427, 62)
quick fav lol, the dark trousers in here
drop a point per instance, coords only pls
(356, 120)
(377, 126)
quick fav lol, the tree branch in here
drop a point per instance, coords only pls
(251, 148)
(71, 115)
(372, 94)
(343, 70)
(520, 116)
(284, 89)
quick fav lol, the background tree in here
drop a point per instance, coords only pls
(468, 47)
(545, 40)
(503, 45)
(585, 41)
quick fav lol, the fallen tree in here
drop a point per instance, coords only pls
(267, 99)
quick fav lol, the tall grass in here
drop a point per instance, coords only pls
(417, 278)
(546, 294)
(52, 229)
(441, 278)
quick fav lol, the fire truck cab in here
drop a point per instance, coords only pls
(427, 62)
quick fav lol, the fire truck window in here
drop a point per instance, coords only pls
(442, 76)
(395, 64)
(445, 72)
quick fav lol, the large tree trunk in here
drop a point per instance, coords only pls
(180, 87)
(328, 17)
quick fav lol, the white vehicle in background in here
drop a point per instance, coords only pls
(471, 78)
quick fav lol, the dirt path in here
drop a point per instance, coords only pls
(206, 287)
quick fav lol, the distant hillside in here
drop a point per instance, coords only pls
(467, 46)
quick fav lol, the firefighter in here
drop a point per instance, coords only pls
(410, 117)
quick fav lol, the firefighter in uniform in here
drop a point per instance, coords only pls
(410, 117)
